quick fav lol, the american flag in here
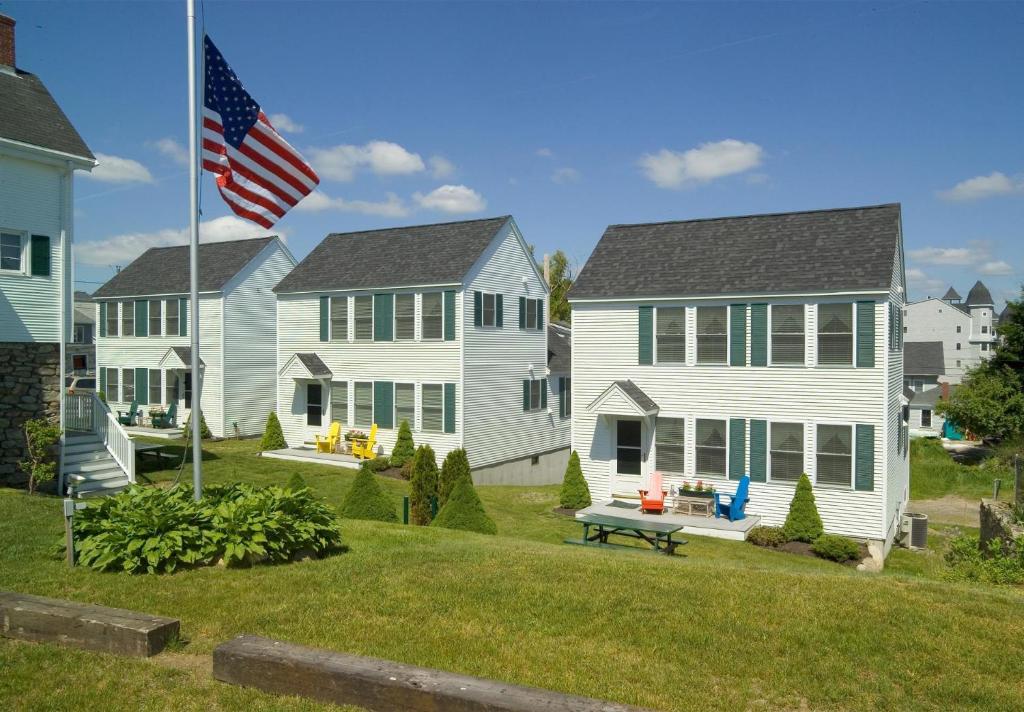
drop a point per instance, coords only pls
(259, 175)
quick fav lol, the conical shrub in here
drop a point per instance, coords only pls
(454, 468)
(803, 522)
(273, 437)
(423, 484)
(575, 494)
(296, 483)
(465, 511)
(204, 431)
(367, 500)
(405, 448)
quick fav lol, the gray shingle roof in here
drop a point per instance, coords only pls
(185, 354)
(559, 348)
(638, 396)
(979, 295)
(165, 270)
(314, 364)
(393, 257)
(926, 399)
(845, 249)
(1004, 315)
(29, 114)
(923, 358)
(952, 295)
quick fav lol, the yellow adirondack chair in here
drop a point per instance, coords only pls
(329, 442)
(366, 449)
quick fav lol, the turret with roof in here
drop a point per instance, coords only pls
(952, 296)
(979, 296)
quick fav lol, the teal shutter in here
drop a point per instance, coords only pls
(40, 256)
(384, 404)
(738, 335)
(645, 317)
(561, 396)
(142, 318)
(865, 334)
(384, 318)
(103, 319)
(758, 334)
(449, 407)
(499, 309)
(325, 318)
(182, 317)
(758, 450)
(526, 394)
(864, 469)
(449, 315)
(478, 309)
(522, 312)
(737, 448)
(103, 381)
(142, 386)
(540, 314)
(543, 393)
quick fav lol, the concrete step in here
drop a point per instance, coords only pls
(91, 466)
(74, 458)
(111, 473)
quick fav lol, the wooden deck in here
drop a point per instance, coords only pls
(303, 454)
(692, 525)
(145, 431)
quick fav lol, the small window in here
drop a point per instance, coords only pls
(80, 362)
(984, 347)
(364, 317)
(432, 408)
(788, 334)
(958, 363)
(432, 321)
(127, 318)
(531, 313)
(12, 252)
(959, 329)
(339, 401)
(405, 404)
(187, 389)
(364, 405)
(489, 309)
(405, 317)
(710, 447)
(835, 334)
(671, 333)
(787, 451)
(566, 382)
(712, 338)
(669, 434)
(113, 392)
(314, 404)
(534, 460)
(926, 418)
(172, 316)
(127, 385)
(155, 320)
(958, 346)
(535, 394)
(156, 386)
(904, 329)
(835, 455)
(112, 319)
(339, 318)
(984, 329)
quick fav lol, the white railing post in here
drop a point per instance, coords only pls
(115, 438)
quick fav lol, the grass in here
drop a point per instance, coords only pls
(730, 625)
(934, 474)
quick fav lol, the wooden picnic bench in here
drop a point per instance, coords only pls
(657, 534)
(155, 450)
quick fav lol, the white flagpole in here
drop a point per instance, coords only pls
(193, 254)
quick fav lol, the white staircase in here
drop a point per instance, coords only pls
(99, 456)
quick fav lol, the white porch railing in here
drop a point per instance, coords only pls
(85, 412)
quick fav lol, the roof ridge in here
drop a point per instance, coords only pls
(759, 215)
(410, 227)
(212, 242)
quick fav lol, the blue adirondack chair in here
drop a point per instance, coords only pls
(128, 417)
(166, 420)
(733, 509)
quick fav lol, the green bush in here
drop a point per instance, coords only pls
(464, 510)
(424, 484)
(575, 494)
(767, 536)
(454, 468)
(273, 437)
(295, 482)
(150, 530)
(204, 432)
(377, 464)
(836, 548)
(406, 471)
(367, 500)
(1000, 564)
(404, 449)
(803, 522)
(41, 438)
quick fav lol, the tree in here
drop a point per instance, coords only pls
(295, 482)
(803, 522)
(559, 281)
(204, 431)
(424, 484)
(273, 437)
(454, 468)
(41, 437)
(989, 403)
(465, 511)
(575, 494)
(367, 500)
(404, 447)
(1009, 350)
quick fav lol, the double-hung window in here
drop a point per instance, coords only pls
(669, 434)
(487, 316)
(113, 392)
(710, 447)
(712, 337)
(155, 317)
(405, 404)
(339, 318)
(926, 418)
(127, 318)
(339, 401)
(531, 313)
(835, 455)
(172, 316)
(364, 404)
(405, 317)
(364, 317)
(533, 394)
(835, 334)
(787, 451)
(112, 319)
(671, 334)
(314, 404)
(156, 390)
(788, 334)
(432, 407)
(12, 252)
(432, 320)
(128, 385)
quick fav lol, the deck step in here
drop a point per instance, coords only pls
(80, 444)
(103, 487)
(111, 473)
(91, 466)
(74, 458)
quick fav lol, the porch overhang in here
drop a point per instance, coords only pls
(179, 358)
(623, 398)
(306, 367)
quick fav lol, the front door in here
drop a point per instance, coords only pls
(628, 454)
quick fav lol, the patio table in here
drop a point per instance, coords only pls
(685, 505)
(656, 533)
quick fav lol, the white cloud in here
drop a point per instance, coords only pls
(672, 169)
(114, 169)
(283, 122)
(172, 149)
(996, 268)
(441, 167)
(452, 199)
(921, 282)
(565, 175)
(122, 249)
(943, 255)
(317, 202)
(545, 152)
(980, 187)
(382, 157)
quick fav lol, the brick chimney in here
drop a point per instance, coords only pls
(945, 390)
(7, 41)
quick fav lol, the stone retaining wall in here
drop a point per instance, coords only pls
(997, 521)
(30, 387)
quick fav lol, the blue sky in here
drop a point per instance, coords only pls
(568, 116)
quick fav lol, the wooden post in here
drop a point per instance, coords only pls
(69, 536)
(1018, 482)
(405, 509)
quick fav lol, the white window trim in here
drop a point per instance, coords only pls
(348, 320)
(483, 321)
(394, 317)
(432, 383)
(725, 418)
(419, 321)
(346, 421)
(352, 395)
(130, 370)
(771, 337)
(120, 325)
(696, 337)
(163, 318)
(768, 451)
(615, 447)
(817, 344)
(853, 453)
(163, 385)
(149, 317)
(394, 404)
(25, 257)
(117, 320)
(654, 444)
(686, 337)
(355, 298)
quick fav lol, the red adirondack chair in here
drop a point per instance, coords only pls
(652, 501)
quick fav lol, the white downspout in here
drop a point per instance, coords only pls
(67, 266)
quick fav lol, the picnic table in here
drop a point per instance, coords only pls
(156, 450)
(657, 534)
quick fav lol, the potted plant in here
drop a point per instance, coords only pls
(686, 489)
(703, 490)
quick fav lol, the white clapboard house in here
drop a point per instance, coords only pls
(440, 325)
(766, 344)
(143, 347)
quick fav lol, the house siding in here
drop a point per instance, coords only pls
(896, 484)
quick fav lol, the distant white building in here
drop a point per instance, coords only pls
(965, 328)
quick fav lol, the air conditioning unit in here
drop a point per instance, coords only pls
(915, 530)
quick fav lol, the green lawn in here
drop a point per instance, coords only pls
(934, 474)
(729, 625)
